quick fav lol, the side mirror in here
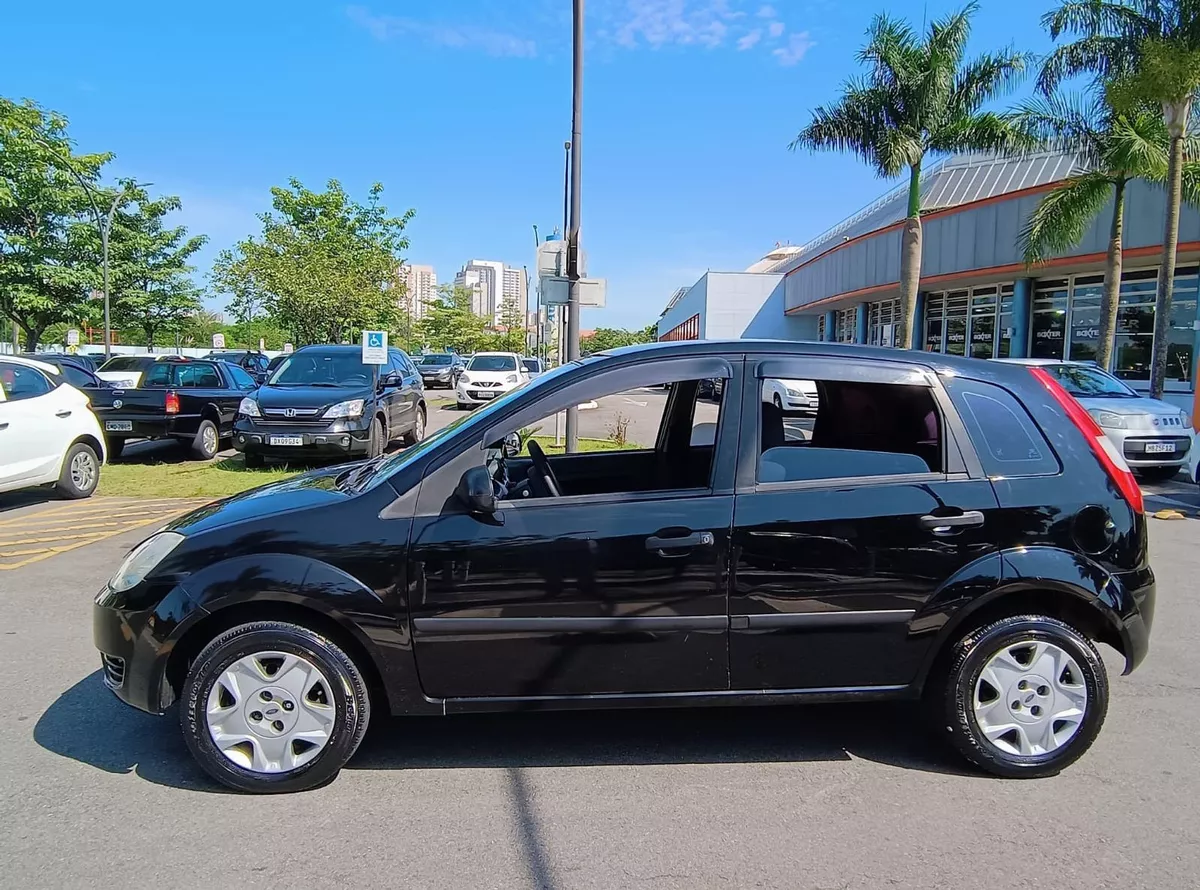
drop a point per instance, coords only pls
(511, 445)
(390, 379)
(475, 491)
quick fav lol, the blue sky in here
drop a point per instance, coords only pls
(461, 108)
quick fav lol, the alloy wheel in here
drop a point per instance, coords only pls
(210, 440)
(1030, 698)
(83, 471)
(271, 712)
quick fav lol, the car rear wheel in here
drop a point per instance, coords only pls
(207, 442)
(1023, 697)
(272, 706)
(80, 473)
(418, 431)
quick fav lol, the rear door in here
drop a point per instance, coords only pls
(33, 428)
(849, 524)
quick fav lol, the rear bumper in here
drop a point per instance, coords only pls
(153, 428)
(1137, 614)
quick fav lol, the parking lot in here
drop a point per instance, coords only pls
(821, 797)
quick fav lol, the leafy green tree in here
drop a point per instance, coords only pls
(449, 323)
(49, 247)
(603, 339)
(1142, 51)
(323, 268)
(198, 328)
(248, 334)
(919, 97)
(152, 289)
(511, 335)
(1113, 149)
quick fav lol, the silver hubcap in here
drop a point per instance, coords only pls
(420, 426)
(1030, 698)
(83, 471)
(270, 712)
(210, 439)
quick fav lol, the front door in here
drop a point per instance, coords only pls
(32, 438)
(846, 525)
(617, 588)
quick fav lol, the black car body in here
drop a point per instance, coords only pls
(79, 360)
(324, 402)
(81, 374)
(189, 400)
(253, 363)
(440, 369)
(942, 513)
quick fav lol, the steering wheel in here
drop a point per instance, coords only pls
(544, 474)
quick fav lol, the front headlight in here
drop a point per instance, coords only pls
(795, 392)
(249, 407)
(511, 378)
(1109, 420)
(1185, 419)
(349, 408)
(143, 559)
(463, 378)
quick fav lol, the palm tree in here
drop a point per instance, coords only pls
(1111, 150)
(918, 98)
(1145, 51)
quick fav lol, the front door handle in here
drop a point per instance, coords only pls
(949, 525)
(686, 542)
(62, 413)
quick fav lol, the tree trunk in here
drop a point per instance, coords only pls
(1176, 116)
(910, 260)
(33, 336)
(1112, 280)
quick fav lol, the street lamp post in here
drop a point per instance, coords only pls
(576, 204)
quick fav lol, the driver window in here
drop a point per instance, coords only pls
(651, 438)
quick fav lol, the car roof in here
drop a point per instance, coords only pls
(513, 354)
(30, 363)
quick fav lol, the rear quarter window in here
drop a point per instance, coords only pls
(1005, 437)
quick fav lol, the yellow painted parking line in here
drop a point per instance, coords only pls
(60, 537)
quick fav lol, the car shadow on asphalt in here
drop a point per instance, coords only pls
(27, 497)
(89, 725)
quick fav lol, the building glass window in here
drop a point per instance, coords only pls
(688, 330)
(821, 327)
(956, 322)
(1004, 322)
(1135, 325)
(1049, 319)
(845, 324)
(982, 328)
(881, 323)
(1181, 335)
(934, 308)
(1087, 293)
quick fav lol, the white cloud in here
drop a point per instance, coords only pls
(491, 42)
(775, 29)
(793, 52)
(766, 12)
(659, 23)
(749, 40)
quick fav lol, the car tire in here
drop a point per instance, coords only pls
(115, 447)
(377, 440)
(253, 460)
(778, 402)
(463, 406)
(991, 706)
(417, 433)
(80, 473)
(207, 441)
(325, 688)
(1157, 474)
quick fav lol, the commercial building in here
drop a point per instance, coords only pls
(493, 285)
(977, 296)
(420, 288)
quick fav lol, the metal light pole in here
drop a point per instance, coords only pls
(576, 206)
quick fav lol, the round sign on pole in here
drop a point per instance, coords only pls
(218, 341)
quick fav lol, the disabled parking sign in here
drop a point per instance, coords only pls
(374, 347)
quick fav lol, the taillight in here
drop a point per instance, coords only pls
(1105, 451)
(172, 403)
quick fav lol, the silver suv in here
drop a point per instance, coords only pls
(1153, 436)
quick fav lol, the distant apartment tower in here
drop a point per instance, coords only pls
(514, 291)
(492, 284)
(420, 287)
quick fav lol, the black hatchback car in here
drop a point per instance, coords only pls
(322, 401)
(946, 531)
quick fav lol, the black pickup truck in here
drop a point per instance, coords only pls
(178, 398)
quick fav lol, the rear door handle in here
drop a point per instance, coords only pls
(947, 525)
(687, 542)
(63, 413)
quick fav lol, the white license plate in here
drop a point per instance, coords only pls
(119, 426)
(485, 395)
(286, 440)
(1160, 447)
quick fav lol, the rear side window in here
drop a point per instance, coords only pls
(1006, 439)
(240, 377)
(159, 375)
(199, 376)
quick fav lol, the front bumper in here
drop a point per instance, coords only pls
(435, 380)
(338, 439)
(480, 395)
(1134, 445)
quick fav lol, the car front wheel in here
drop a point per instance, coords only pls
(1023, 697)
(418, 431)
(80, 473)
(272, 706)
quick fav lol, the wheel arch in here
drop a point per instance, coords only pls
(91, 442)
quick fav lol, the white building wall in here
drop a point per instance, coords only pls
(739, 305)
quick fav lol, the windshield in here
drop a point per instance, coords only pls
(1080, 380)
(124, 363)
(532, 365)
(478, 418)
(344, 368)
(435, 359)
(493, 363)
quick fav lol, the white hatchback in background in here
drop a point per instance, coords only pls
(48, 433)
(791, 395)
(488, 376)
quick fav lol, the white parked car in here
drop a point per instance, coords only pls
(48, 433)
(488, 376)
(791, 395)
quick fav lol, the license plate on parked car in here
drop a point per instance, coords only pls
(485, 395)
(1160, 447)
(286, 440)
(119, 426)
